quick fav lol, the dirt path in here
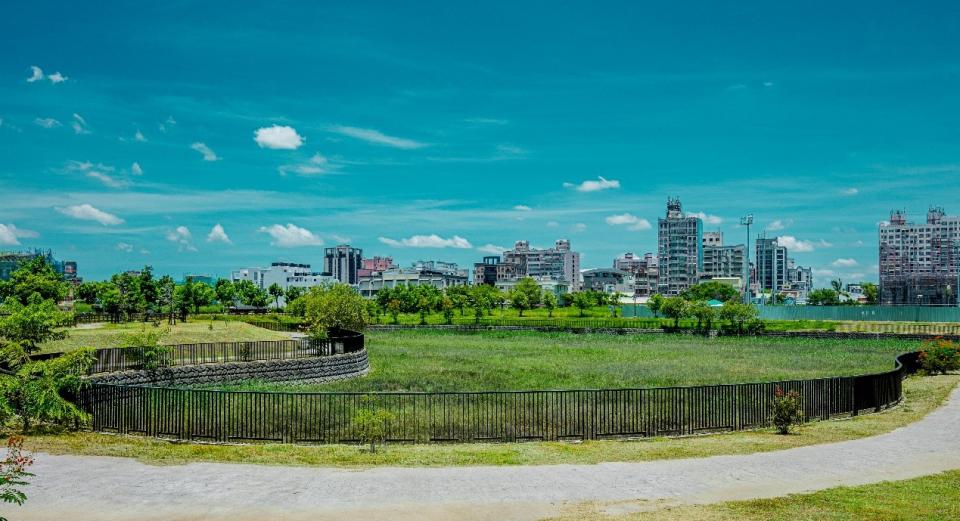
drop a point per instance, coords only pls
(106, 489)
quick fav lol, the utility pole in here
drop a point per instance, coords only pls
(747, 221)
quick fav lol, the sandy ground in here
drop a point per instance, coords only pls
(83, 488)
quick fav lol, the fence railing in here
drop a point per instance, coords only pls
(331, 417)
(131, 358)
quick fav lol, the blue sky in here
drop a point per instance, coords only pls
(388, 124)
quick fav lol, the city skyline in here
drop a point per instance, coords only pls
(222, 148)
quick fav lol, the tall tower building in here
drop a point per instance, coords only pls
(342, 263)
(679, 249)
(919, 261)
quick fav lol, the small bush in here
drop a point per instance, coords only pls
(13, 473)
(939, 356)
(146, 351)
(787, 410)
(371, 424)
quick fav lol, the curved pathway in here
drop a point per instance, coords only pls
(105, 489)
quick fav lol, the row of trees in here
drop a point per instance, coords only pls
(694, 304)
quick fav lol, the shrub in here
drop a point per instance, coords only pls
(13, 472)
(145, 350)
(939, 356)
(371, 424)
(787, 410)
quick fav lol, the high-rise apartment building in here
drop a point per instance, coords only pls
(679, 249)
(342, 263)
(771, 265)
(919, 261)
(375, 265)
(559, 262)
(720, 261)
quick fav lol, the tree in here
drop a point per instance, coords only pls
(226, 295)
(549, 302)
(293, 293)
(203, 295)
(738, 314)
(655, 304)
(837, 285)
(675, 308)
(275, 291)
(871, 292)
(480, 301)
(711, 290)
(823, 297)
(87, 292)
(582, 300)
(525, 294)
(460, 296)
(334, 307)
(704, 314)
(446, 306)
(35, 276)
(371, 425)
(37, 391)
(165, 288)
(394, 307)
(25, 327)
(148, 289)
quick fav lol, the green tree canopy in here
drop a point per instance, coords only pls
(823, 297)
(711, 290)
(334, 307)
(35, 276)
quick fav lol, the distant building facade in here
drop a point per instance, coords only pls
(11, 261)
(342, 263)
(722, 261)
(609, 280)
(919, 261)
(547, 284)
(284, 274)
(645, 271)
(559, 263)
(422, 273)
(374, 265)
(679, 249)
(771, 265)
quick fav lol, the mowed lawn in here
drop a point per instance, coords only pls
(115, 335)
(410, 360)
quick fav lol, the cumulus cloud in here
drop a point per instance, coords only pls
(10, 234)
(47, 122)
(182, 237)
(492, 248)
(278, 137)
(594, 186)
(845, 263)
(79, 124)
(36, 74)
(428, 241)
(139, 137)
(709, 219)
(522, 208)
(291, 236)
(579, 227)
(136, 169)
(632, 222)
(125, 247)
(316, 165)
(795, 245)
(218, 234)
(377, 138)
(850, 191)
(87, 212)
(207, 152)
(778, 225)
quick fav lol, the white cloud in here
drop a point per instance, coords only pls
(111, 182)
(136, 169)
(378, 138)
(428, 241)
(594, 186)
(795, 245)
(340, 238)
(291, 236)
(182, 237)
(57, 77)
(123, 246)
(768, 84)
(779, 224)
(824, 244)
(86, 212)
(47, 122)
(9, 234)
(579, 227)
(522, 208)
(208, 153)
(845, 263)
(278, 138)
(139, 137)
(709, 219)
(316, 165)
(37, 74)
(79, 124)
(631, 221)
(820, 272)
(492, 248)
(218, 234)
(552, 224)
(850, 191)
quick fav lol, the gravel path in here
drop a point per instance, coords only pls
(106, 489)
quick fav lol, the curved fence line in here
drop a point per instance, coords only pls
(332, 417)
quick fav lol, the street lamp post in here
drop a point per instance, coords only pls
(747, 221)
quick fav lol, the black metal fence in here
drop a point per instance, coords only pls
(230, 416)
(127, 358)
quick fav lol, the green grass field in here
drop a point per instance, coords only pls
(930, 498)
(432, 360)
(114, 335)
